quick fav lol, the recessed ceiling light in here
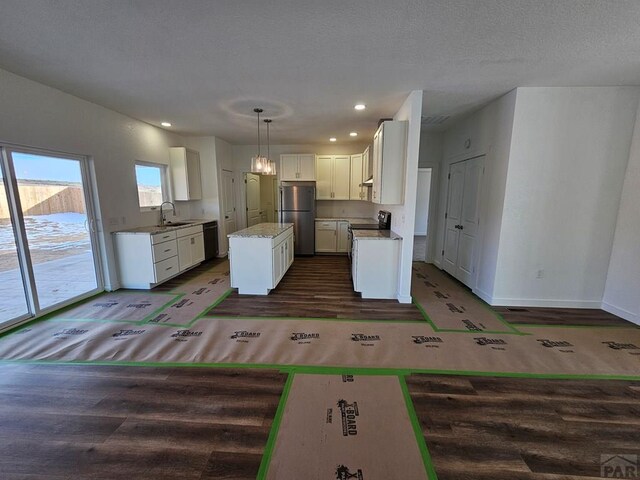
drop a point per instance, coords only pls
(360, 106)
(165, 124)
(353, 134)
(333, 139)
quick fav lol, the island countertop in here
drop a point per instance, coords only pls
(262, 230)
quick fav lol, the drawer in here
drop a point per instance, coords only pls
(282, 236)
(166, 268)
(188, 231)
(164, 250)
(163, 237)
(326, 225)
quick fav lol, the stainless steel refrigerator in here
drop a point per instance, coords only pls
(298, 206)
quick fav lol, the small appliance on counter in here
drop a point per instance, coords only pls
(298, 206)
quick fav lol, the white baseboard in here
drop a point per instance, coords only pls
(404, 298)
(535, 302)
(483, 295)
(621, 312)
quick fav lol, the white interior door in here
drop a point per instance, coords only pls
(463, 219)
(469, 220)
(454, 212)
(254, 214)
(229, 199)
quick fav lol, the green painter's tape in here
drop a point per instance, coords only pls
(275, 427)
(332, 370)
(163, 307)
(631, 326)
(315, 319)
(417, 430)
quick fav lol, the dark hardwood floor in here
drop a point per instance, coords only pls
(482, 428)
(589, 317)
(103, 422)
(560, 316)
(315, 287)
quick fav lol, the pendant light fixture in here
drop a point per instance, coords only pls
(270, 166)
(258, 163)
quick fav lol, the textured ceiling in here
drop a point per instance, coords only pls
(204, 65)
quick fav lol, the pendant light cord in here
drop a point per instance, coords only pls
(258, 111)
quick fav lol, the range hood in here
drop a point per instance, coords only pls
(368, 182)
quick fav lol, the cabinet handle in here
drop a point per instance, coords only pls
(167, 250)
(168, 268)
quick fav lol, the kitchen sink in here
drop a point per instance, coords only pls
(175, 224)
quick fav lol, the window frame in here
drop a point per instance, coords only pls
(164, 184)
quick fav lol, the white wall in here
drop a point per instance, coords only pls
(403, 216)
(35, 115)
(486, 132)
(569, 152)
(622, 290)
(346, 208)
(431, 153)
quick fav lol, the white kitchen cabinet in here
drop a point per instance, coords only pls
(297, 167)
(359, 173)
(374, 267)
(190, 246)
(185, 173)
(259, 257)
(343, 237)
(326, 236)
(333, 173)
(389, 144)
(332, 236)
(146, 259)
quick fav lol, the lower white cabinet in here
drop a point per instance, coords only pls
(374, 267)
(258, 263)
(190, 247)
(148, 259)
(332, 236)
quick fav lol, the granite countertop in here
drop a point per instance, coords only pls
(152, 229)
(375, 235)
(347, 219)
(262, 230)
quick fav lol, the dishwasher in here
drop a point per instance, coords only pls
(210, 233)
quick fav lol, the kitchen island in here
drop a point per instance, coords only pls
(259, 256)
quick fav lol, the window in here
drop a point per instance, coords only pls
(152, 184)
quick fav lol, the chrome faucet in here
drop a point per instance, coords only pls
(162, 219)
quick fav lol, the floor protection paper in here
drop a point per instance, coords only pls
(544, 350)
(121, 306)
(450, 306)
(346, 427)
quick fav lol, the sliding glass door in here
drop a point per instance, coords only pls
(53, 232)
(13, 303)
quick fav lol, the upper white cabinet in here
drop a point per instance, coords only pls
(333, 173)
(294, 166)
(389, 144)
(359, 173)
(185, 173)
